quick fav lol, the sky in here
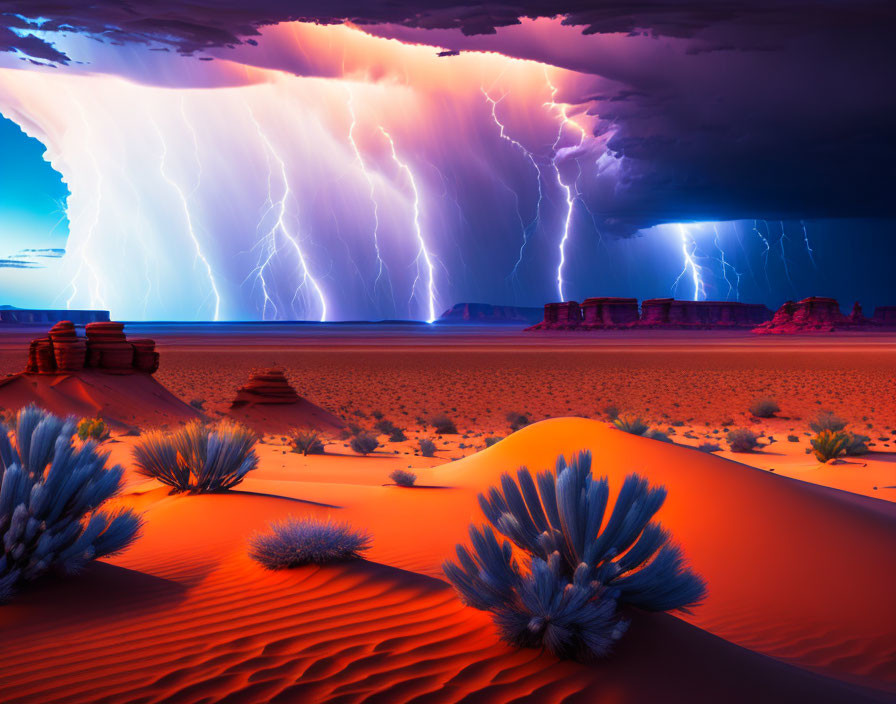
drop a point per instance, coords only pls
(237, 160)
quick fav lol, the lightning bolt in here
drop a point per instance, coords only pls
(783, 253)
(280, 226)
(423, 250)
(185, 206)
(809, 250)
(725, 266)
(381, 265)
(765, 253)
(502, 132)
(688, 248)
(565, 120)
(83, 260)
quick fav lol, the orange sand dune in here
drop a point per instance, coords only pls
(123, 400)
(795, 572)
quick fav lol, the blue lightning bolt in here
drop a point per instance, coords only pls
(725, 266)
(783, 253)
(280, 226)
(570, 199)
(188, 217)
(502, 132)
(688, 249)
(765, 253)
(381, 265)
(423, 250)
(809, 250)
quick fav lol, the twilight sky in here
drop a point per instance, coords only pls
(238, 160)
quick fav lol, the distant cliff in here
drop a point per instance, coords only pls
(10, 314)
(488, 313)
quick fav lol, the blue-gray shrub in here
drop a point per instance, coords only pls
(49, 495)
(300, 541)
(198, 458)
(577, 569)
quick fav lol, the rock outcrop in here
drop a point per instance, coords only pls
(106, 348)
(622, 314)
(487, 313)
(885, 316)
(671, 313)
(268, 386)
(609, 313)
(814, 314)
(11, 314)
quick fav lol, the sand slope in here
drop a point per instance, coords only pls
(123, 400)
(795, 571)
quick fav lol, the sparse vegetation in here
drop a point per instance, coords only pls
(363, 443)
(565, 596)
(489, 441)
(50, 493)
(764, 407)
(611, 412)
(709, 447)
(655, 434)
(198, 458)
(858, 445)
(517, 421)
(300, 541)
(403, 478)
(93, 428)
(829, 444)
(427, 447)
(631, 424)
(443, 425)
(827, 421)
(742, 440)
(198, 404)
(306, 442)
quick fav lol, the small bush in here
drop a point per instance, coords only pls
(198, 404)
(403, 478)
(306, 442)
(198, 458)
(742, 440)
(93, 428)
(427, 447)
(764, 407)
(397, 435)
(492, 440)
(827, 421)
(857, 445)
(517, 421)
(708, 447)
(443, 425)
(364, 444)
(564, 596)
(611, 412)
(793, 438)
(631, 424)
(301, 541)
(829, 444)
(384, 426)
(50, 493)
(655, 434)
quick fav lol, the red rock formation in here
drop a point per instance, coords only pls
(269, 386)
(670, 313)
(609, 313)
(106, 348)
(884, 316)
(560, 316)
(814, 314)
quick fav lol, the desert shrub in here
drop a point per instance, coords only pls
(742, 440)
(300, 541)
(198, 458)
(384, 426)
(565, 594)
(764, 407)
(363, 443)
(403, 478)
(443, 425)
(827, 421)
(92, 428)
(427, 447)
(306, 442)
(50, 493)
(793, 438)
(198, 404)
(517, 420)
(708, 447)
(492, 440)
(631, 424)
(857, 445)
(655, 434)
(829, 444)
(397, 435)
(611, 412)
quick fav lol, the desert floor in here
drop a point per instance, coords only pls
(800, 574)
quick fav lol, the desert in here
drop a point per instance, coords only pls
(184, 614)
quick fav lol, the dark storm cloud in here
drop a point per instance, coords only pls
(719, 109)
